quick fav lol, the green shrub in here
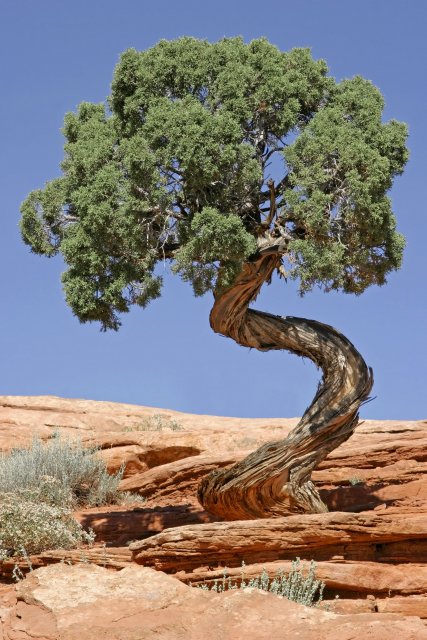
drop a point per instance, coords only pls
(60, 472)
(297, 585)
(156, 422)
(29, 527)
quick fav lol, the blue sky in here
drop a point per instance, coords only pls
(57, 54)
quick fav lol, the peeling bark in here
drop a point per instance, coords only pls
(274, 480)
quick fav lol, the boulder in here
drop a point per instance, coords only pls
(61, 602)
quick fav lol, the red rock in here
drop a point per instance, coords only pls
(410, 606)
(325, 536)
(43, 414)
(379, 473)
(140, 457)
(118, 525)
(177, 481)
(112, 558)
(68, 603)
(340, 578)
(353, 605)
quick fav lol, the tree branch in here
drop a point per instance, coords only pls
(283, 184)
(167, 250)
(272, 212)
(267, 245)
(270, 152)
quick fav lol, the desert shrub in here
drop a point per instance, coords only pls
(131, 499)
(297, 585)
(156, 422)
(31, 527)
(49, 490)
(60, 472)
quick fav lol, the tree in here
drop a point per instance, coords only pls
(236, 162)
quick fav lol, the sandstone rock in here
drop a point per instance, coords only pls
(90, 417)
(340, 578)
(373, 469)
(361, 587)
(353, 605)
(376, 444)
(177, 481)
(68, 603)
(140, 457)
(112, 558)
(410, 606)
(388, 458)
(344, 536)
(402, 485)
(118, 525)
(378, 477)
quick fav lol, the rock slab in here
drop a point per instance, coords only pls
(137, 603)
(376, 481)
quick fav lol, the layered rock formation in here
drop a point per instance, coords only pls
(371, 550)
(69, 603)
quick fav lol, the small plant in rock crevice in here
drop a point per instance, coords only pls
(297, 585)
(156, 422)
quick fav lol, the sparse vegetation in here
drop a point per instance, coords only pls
(28, 526)
(39, 487)
(130, 498)
(60, 472)
(156, 422)
(354, 480)
(297, 585)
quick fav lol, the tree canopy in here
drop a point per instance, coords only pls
(206, 153)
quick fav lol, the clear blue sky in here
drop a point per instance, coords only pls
(56, 54)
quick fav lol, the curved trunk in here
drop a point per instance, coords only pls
(274, 480)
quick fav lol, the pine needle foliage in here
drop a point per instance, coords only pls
(176, 166)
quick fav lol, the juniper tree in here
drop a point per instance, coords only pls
(176, 166)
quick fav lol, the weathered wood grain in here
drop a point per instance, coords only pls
(275, 479)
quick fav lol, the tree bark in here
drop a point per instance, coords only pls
(274, 480)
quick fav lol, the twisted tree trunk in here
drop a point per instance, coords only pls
(274, 480)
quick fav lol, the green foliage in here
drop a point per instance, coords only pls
(60, 473)
(298, 585)
(342, 165)
(176, 167)
(213, 238)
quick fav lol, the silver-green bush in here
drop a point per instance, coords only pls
(40, 486)
(59, 472)
(156, 422)
(297, 585)
(31, 527)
